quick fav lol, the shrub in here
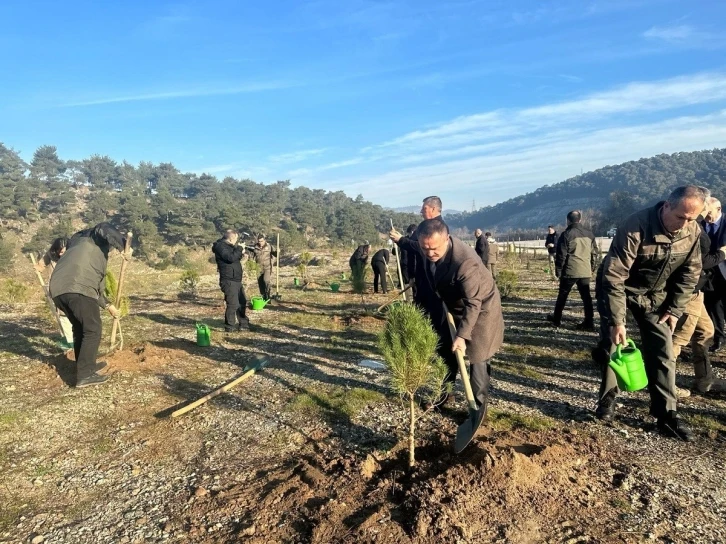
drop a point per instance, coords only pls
(7, 255)
(507, 282)
(180, 259)
(358, 274)
(189, 281)
(252, 269)
(14, 291)
(408, 343)
(302, 267)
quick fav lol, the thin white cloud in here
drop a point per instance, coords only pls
(296, 156)
(675, 33)
(219, 90)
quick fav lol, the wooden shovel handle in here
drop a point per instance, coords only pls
(462, 365)
(119, 288)
(213, 394)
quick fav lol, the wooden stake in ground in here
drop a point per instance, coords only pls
(48, 299)
(117, 302)
(258, 364)
(398, 265)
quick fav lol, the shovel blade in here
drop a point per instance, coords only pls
(467, 430)
(257, 363)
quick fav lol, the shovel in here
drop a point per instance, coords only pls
(259, 362)
(466, 431)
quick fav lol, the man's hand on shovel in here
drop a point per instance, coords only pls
(459, 344)
(115, 313)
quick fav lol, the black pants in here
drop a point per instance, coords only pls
(236, 301)
(85, 316)
(379, 274)
(715, 305)
(264, 282)
(479, 373)
(656, 347)
(583, 286)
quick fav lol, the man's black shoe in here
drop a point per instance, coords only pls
(585, 326)
(100, 366)
(244, 324)
(551, 319)
(93, 379)
(716, 346)
(606, 407)
(672, 426)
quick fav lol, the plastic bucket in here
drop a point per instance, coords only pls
(334, 287)
(296, 282)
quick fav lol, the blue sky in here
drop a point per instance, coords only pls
(471, 100)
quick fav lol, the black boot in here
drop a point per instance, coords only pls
(606, 406)
(552, 319)
(672, 426)
(585, 326)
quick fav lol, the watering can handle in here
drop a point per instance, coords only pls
(630, 343)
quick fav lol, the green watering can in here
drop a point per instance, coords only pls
(296, 282)
(627, 363)
(203, 335)
(258, 303)
(334, 287)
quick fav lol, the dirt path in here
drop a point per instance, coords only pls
(309, 450)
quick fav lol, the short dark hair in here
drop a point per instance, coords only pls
(574, 216)
(680, 194)
(550, 227)
(411, 228)
(429, 227)
(487, 234)
(433, 202)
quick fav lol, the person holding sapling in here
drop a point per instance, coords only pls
(265, 258)
(77, 286)
(464, 286)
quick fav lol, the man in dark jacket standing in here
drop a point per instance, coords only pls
(264, 257)
(460, 282)
(229, 256)
(652, 269)
(379, 264)
(422, 293)
(551, 245)
(715, 293)
(77, 286)
(482, 246)
(408, 260)
(577, 258)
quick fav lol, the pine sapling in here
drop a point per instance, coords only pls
(408, 344)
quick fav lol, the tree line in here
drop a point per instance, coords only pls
(625, 188)
(164, 206)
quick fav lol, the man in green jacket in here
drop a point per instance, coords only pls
(652, 269)
(577, 257)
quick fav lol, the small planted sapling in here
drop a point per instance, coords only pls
(408, 344)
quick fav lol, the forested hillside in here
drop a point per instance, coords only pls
(607, 195)
(165, 207)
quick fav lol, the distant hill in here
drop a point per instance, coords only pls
(606, 196)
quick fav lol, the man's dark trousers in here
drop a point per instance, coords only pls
(479, 373)
(84, 314)
(236, 301)
(379, 275)
(583, 286)
(264, 282)
(656, 347)
(715, 304)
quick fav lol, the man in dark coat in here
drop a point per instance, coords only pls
(715, 292)
(77, 287)
(408, 261)
(577, 258)
(379, 263)
(360, 256)
(422, 293)
(462, 284)
(482, 246)
(228, 255)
